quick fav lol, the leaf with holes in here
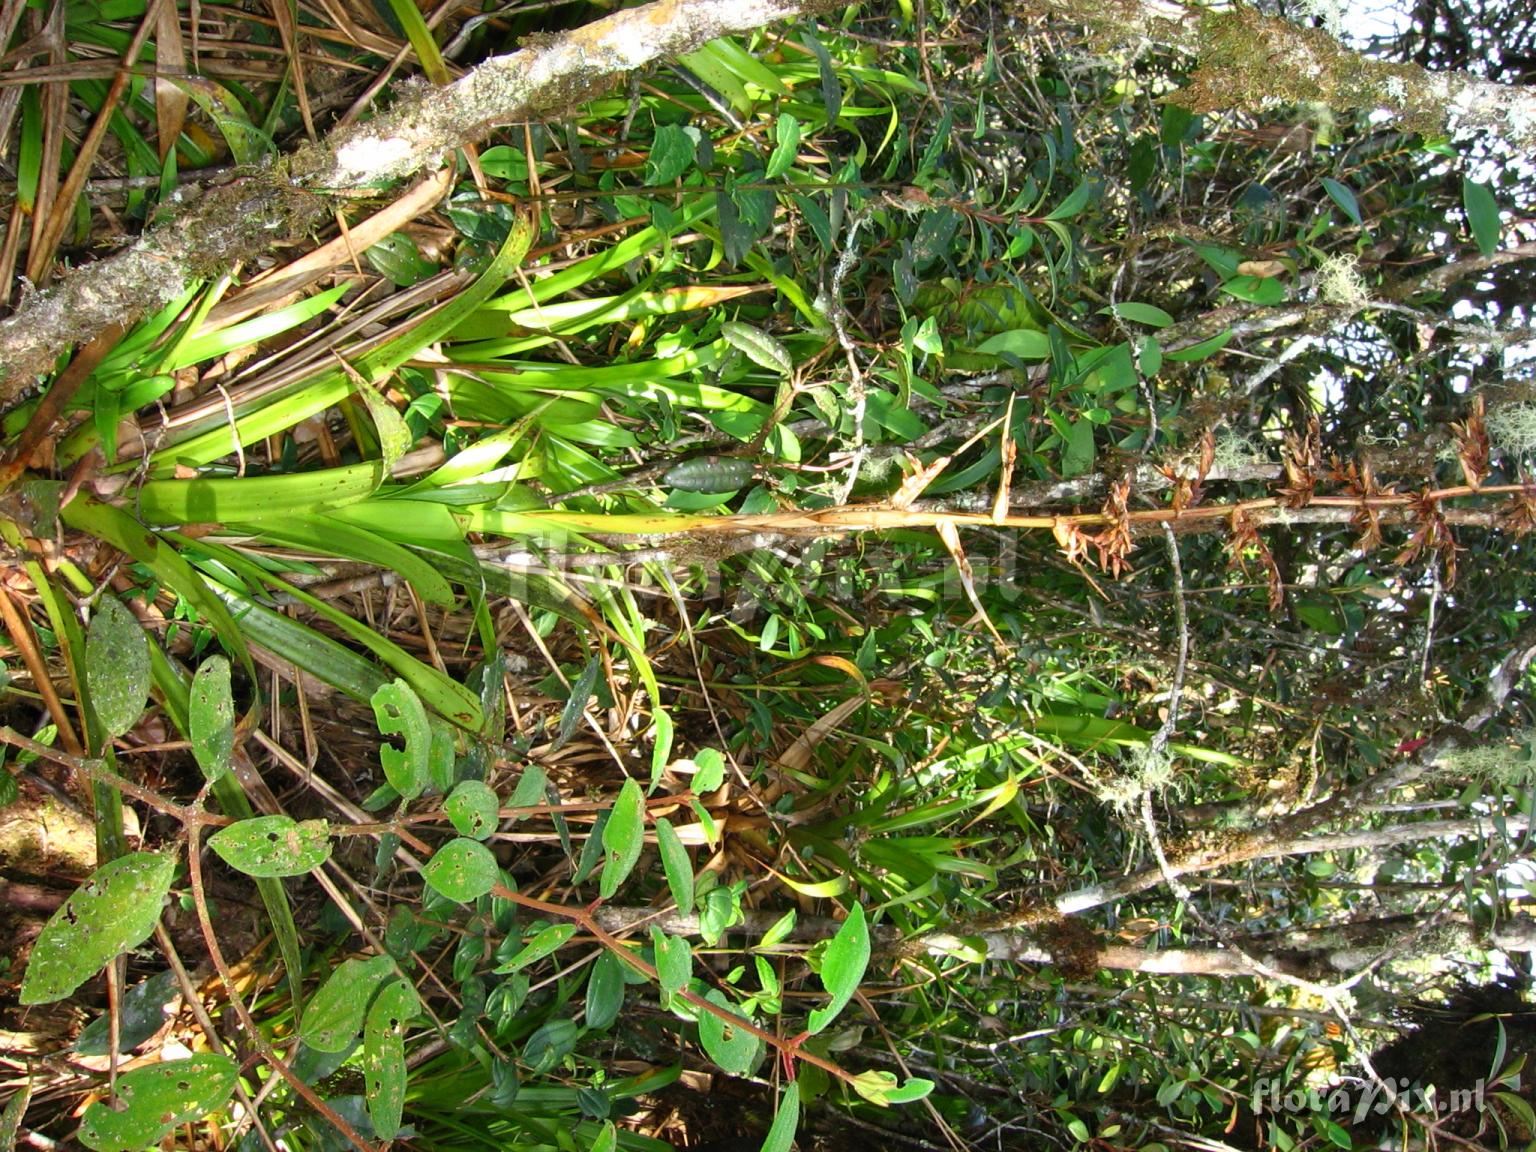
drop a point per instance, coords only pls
(842, 967)
(462, 870)
(336, 1012)
(732, 1047)
(211, 717)
(113, 911)
(153, 1101)
(398, 711)
(384, 1072)
(117, 671)
(474, 809)
(623, 837)
(274, 845)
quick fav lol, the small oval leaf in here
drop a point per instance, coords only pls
(761, 348)
(462, 870)
(153, 1101)
(674, 964)
(117, 671)
(211, 717)
(336, 1012)
(474, 809)
(623, 837)
(274, 845)
(113, 911)
(1025, 343)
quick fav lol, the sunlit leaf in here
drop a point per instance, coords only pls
(153, 1101)
(623, 838)
(273, 845)
(113, 911)
(842, 967)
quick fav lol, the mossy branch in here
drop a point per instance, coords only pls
(236, 222)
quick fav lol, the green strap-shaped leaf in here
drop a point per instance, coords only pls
(336, 1012)
(153, 1101)
(116, 666)
(384, 1071)
(842, 968)
(623, 838)
(605, 991)
(274, 845)
(113, 911)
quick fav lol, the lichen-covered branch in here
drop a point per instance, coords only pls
(237, 222)
(1250, 61)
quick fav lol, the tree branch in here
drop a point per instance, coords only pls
(251, 215)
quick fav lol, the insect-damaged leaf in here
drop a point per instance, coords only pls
(384, 1055)
(274, 845)
(113, 911)
(462, 870)
(398, 711)
(211, 717)
(336, 1012)
(116, 666)
(153, 1101)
